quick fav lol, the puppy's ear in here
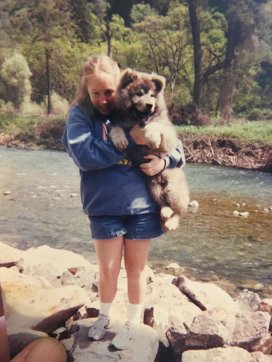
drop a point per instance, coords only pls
(128, 76)
(159, 82)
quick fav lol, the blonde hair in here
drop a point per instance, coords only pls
(98, 65)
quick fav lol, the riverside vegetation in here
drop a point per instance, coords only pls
(242, 144)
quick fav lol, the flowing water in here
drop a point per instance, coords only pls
(40, 204)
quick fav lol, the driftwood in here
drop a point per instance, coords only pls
(56, 320)
(226, 152)
(179, 282)
(8, 264)
(92, 312)
(149, 316)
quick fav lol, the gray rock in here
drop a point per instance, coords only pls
(248, 301)
(144, 346)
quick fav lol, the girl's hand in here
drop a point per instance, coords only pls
(154, 166)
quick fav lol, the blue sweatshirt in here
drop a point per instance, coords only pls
(110, 185)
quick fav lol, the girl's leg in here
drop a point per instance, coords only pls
(109, 255)
(135, 255)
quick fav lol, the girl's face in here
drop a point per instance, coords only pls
(101, 90)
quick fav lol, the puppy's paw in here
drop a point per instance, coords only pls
(172, 223)
(118, 137)
(166, 213)
(153, 135)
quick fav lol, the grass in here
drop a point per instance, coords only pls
(247, 131)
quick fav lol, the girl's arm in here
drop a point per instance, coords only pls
(87, 151)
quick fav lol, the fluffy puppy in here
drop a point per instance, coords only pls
(140, 100)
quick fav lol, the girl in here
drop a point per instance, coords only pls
(123, 216)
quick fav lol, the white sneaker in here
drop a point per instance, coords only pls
(99, 328)
(123, 339)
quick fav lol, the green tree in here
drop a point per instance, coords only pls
(16, 73)
(81, 14)
(42, 23)
(102, 9)
(166, 43)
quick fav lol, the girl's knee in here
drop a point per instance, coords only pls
(134, 272)
(108, 274)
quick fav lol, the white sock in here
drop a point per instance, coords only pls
(134, 313)
(105, 309)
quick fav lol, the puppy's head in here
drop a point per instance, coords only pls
(138, 94)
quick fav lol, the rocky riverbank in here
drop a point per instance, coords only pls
(200, 149)
(54, 292)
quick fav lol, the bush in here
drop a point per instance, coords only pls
(29, 107)
(48, 133)
(60, 106)
(258, 114)
(6, 107)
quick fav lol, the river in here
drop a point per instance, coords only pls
(40, 204)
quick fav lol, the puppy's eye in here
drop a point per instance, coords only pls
(140, 93)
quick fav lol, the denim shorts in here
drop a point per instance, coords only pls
(134, 227)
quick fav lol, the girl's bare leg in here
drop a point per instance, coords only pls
(109, 255)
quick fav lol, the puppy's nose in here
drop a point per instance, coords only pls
(149, 106)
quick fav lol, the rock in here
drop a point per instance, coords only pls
(27, 302)
(212, 328)
(193, 206)
(267, 301)
(265, 348)
(174, 267)
(54, 283)
(61, 258)
(10, 254)
(244, 214)
(260, 357)
(251, 329)
(7, 192)
(144, 346)
(210, 295)
(258, 287)
(233, 354)
(171, 309)
(74, 195)
(248, 300)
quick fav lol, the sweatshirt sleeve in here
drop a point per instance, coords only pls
(87, 151)
(176, 158)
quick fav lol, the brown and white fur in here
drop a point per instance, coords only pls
(140, 99)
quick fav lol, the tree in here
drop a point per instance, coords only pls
(102, 8)
(41, 23)
(15, 71)
(195, 26)
(166, 43)
(85, 28)
(241, 23)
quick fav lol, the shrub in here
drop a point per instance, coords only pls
(60, 106)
